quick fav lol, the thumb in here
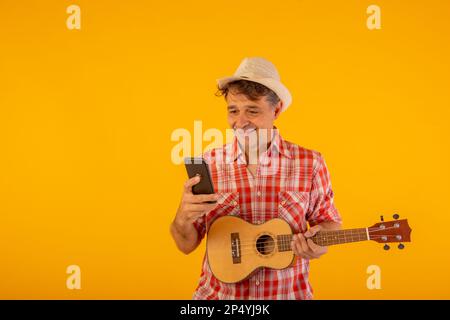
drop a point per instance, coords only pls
(312, 231)
(191, 182)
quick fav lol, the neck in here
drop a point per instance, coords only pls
(258, 153)
(262, 145)
(327, 238)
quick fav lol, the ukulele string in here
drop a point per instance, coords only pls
(325, 235)
(251, 248)
(380, 229)
(253, 245)
(330, 234)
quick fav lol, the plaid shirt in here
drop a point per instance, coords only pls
(291, 183)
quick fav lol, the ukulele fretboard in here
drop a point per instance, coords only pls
(326, 238)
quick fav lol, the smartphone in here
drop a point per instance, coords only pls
(198, 166)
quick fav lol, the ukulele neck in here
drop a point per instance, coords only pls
(327, 238)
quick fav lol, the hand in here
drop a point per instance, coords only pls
(193, 206)
(306, 248)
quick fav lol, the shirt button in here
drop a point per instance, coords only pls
(234, 203)
(257, 282)
(258, 193)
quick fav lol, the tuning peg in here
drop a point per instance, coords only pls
(386, 247)
(396, 216)
(381, 218)
(401, 246)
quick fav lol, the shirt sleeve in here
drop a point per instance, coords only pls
(321, 207)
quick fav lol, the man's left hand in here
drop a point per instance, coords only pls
(306, 248)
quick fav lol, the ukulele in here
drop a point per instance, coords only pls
(236, 248)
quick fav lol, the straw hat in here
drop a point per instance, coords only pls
(261, 71)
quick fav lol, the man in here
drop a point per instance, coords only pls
(286, 181)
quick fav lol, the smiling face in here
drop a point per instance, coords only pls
(244, 113)
(251, 119)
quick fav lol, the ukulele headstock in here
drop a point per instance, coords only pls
(390, 231)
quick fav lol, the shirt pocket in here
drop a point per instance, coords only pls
(293, 207)
(227, 205)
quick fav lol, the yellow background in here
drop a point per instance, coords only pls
(86, 116)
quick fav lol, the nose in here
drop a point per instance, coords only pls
(241, 122)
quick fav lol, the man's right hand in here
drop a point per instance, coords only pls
(193, 206)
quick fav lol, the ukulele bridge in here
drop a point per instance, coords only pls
(235, 248)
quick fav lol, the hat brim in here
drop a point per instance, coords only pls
(276, 86)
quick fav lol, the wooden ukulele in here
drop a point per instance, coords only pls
(236, 248)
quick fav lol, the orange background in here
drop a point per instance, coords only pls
(86, 116)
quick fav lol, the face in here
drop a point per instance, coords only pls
(252, 119)
(244, 113)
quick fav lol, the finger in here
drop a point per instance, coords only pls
(312, 231)
(301, 252)
(303, 243)
(316, 248)
(196, 207)
(294, 248)
(189, 183)
(298, 249)
(194, 215)
(199, 198)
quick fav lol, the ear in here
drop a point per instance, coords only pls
(277, 109)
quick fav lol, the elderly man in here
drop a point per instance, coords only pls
(258, 180)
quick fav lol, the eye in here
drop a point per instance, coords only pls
(232, 111)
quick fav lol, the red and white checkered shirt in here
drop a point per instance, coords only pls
(292, 183)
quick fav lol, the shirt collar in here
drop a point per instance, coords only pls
(277, 146)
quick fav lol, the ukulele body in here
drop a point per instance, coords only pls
(236, 248)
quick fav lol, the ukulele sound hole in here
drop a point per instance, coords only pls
(265, 244)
